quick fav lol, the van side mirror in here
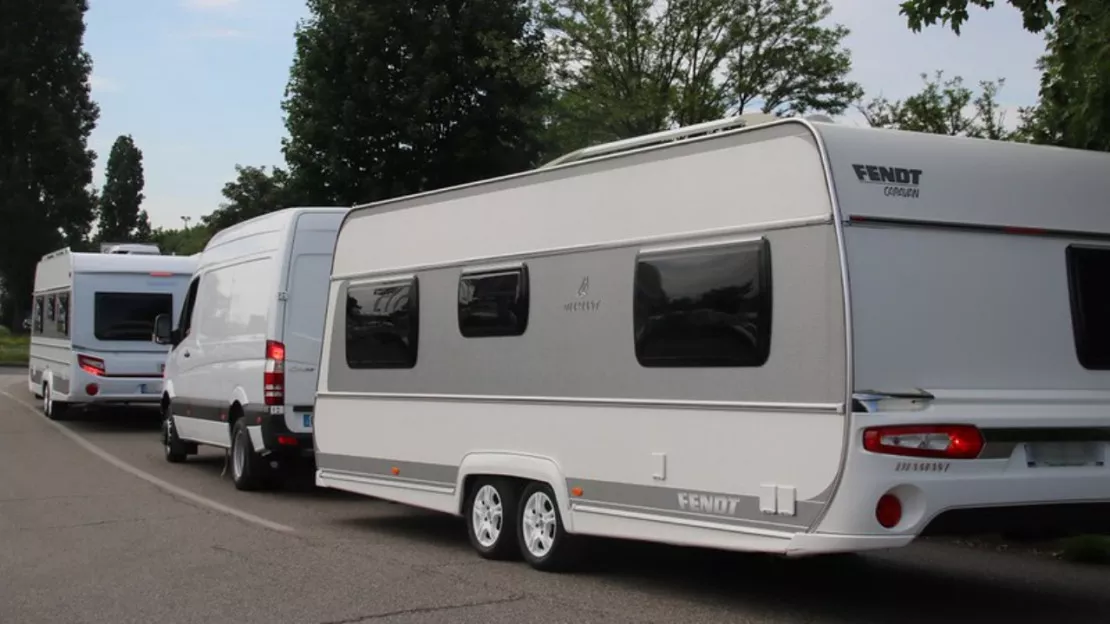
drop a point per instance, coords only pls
(163, 330)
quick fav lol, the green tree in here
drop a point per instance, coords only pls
(1074, 106)
(254, 192)
(121, 218)
(629, 67)
(400, 96)
(943, 107)
(181, 242)
(46, 116)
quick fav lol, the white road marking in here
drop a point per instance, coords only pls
(149, 478)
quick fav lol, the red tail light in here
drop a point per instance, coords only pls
(888, 511)
(91, 365)
(942, 441)
(273, 379)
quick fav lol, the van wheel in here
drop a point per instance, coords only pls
(175, 448)
(491, 510)
(54, 410)
(544, 543)
(248, 470)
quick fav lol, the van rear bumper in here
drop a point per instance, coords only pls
(279, 440)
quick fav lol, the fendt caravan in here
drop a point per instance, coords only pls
(91, 324)
(241, 373)
(795, 337)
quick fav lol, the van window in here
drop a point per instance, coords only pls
(704, 307)
(128, 316)
(1088, 270)
(50, 308)
(493, 303)
(382, 323)
(185, 321)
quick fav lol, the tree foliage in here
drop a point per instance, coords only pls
(1074, 106)
(628, 67)
(183, 241)
(121, 216)
(399, 96)
(46, 116)
(943, 107)
(252, 193)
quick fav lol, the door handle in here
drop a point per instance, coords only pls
(186, 354)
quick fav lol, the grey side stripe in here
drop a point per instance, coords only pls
(739, 510)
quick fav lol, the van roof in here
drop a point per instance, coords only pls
(899, 175)
(269, 222)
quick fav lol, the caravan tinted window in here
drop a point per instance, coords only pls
(1088, 271)
(704, 307)
(128, 316)
(382, 323)
(493, 303)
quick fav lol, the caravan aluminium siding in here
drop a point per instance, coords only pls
(581, 231)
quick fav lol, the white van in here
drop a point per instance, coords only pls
(91, 325)
(241, 372)
(795, 337)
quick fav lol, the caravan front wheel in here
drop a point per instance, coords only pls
(491, 518)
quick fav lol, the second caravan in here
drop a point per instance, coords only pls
(797, 337)
(242, 366)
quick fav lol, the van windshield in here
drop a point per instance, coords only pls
(128, 316)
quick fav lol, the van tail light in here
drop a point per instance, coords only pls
(941, 441)
(273, 380)
(91, 365)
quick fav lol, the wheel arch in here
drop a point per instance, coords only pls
(518, 466)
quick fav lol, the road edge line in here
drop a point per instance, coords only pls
(149, 478)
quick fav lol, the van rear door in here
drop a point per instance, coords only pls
(306, 295)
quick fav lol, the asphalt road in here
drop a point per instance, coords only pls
(96, 527)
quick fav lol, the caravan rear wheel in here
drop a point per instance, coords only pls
(54, 410)
(491, 518)
(544, 542)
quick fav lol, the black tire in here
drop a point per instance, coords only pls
(563, 551)
(176, 450)
(253, 473)
(496, 501)
(54, 410)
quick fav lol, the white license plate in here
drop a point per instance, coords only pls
(1063, 454)
(307, 419)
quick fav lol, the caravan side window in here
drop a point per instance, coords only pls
(493, 303)
(36, 322)
(63, 314)
(382, 324)
(704, 307)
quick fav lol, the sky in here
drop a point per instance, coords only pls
(198, 84)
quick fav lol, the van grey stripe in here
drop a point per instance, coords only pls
(831, 408)
(665, 501)
(438, 474)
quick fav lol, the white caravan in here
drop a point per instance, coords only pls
(91, 324)
(795, 337)
(241, 372)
